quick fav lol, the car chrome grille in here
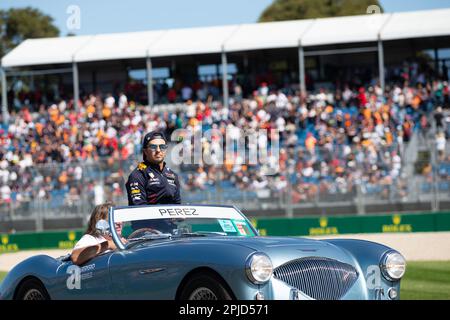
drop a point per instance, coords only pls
(319, 278)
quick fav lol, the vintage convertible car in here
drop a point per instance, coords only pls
(194, 252)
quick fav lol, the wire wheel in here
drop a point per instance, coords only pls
(34, 294)
(205, 286)
(31, 289)
(202, 294)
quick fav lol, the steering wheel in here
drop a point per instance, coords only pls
(142, 231)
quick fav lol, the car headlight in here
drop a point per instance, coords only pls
(259, 268)
(393, 266)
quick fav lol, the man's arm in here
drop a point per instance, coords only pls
(137, 195)
(177, 198)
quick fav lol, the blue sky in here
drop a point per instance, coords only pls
(108, 16)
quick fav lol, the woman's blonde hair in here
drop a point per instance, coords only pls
(100, 212)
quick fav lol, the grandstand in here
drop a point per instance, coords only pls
(351, 141)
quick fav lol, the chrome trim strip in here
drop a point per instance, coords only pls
(152, 270)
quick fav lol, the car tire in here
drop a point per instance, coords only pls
(205, 287)
(32, 289)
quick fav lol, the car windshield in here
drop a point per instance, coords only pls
(135, 224)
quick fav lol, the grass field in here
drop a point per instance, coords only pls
(423, 280)
(426, 280)
(2, 275)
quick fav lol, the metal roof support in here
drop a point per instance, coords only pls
(76, 88)
(32, 73)
(301, 68)
(340, 51)
(381, 63)
(225, 78)
(5, 113)
(149, 81)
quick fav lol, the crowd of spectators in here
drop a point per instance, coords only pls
(55, 148)
(331, 142)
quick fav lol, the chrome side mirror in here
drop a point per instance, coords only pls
(102, 227)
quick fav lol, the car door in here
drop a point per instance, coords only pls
(142, 273)
(90, 280)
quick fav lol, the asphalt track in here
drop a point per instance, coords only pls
(426, 246)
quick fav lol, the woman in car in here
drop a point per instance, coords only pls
(93, 243)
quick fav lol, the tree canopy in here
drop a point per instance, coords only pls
(281, 10)
(19, 24)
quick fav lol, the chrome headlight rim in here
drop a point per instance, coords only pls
(249, 271)
(384, 265)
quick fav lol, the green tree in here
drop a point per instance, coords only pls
(281, 10)
(17, 25)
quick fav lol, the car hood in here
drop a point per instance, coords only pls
(283, 249)
(279, 249)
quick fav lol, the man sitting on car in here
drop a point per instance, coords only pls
(153, 182)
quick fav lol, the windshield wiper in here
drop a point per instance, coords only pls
(150, 237)
(202, 234)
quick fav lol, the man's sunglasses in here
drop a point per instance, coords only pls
(154, 147)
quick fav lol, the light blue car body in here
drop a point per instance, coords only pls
(158, 269)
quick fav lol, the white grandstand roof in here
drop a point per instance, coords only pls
(192, 41)
(45, 51)
(206, 40)
(344, 30)
(417, 24)
(284, 34)
(118, 46)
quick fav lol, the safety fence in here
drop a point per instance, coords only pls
(39, 240)
(327, 225)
